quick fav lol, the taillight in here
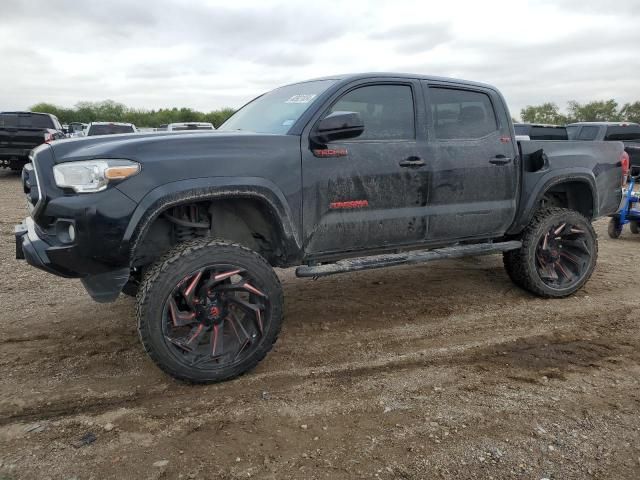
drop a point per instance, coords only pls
(624, 163)
(48, 137)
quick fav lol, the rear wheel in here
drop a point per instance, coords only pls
(558, 254)
(614, 229)
(209, 311)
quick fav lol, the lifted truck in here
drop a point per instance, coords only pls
(332, 175)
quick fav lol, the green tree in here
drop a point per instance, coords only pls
(596, 111)
(108, 110)
(630, 112)
(545, 113)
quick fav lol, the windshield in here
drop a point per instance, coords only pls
(109, 129)
(277, 110)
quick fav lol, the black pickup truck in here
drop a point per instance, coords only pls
(20, 132)
(332, 175)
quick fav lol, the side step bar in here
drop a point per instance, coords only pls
(405, 258)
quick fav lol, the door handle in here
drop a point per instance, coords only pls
(500, 160)
(412, 162)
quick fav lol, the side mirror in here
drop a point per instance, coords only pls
(338, 126)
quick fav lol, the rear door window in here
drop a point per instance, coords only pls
(461, 114)
(589, 132)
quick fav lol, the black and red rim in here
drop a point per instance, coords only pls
(215, 317)
(563, 255)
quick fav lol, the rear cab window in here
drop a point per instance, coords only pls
(25, 120)
(461, 114)
(548, 133)
(623, 132)
(109, 129)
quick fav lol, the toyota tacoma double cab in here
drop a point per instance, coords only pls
(333, 175)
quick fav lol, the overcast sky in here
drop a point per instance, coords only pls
(212, 54)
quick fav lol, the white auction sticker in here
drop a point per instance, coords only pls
(301, 98)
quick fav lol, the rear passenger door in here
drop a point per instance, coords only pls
(474, 175)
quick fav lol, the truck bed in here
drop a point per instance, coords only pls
(544, 160)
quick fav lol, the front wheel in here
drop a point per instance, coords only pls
(634, 227)
(209, 311)
(558, 254)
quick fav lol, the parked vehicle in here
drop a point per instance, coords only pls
(109, 128)
(177, 127)
(626, 132)
(628, 213)
(530, 131)
(77, 129)
(333, 175)
(20, 132)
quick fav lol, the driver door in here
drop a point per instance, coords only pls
(369, 191)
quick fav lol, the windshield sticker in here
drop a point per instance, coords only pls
(287, 123)
(301, 98)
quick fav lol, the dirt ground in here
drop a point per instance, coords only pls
(438, 371)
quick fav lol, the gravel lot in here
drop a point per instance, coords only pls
(438, 371)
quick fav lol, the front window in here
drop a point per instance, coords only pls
(386, 110)
(277, 110)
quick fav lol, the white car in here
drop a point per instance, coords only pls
(110, 128)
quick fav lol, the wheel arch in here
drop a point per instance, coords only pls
(576, 191)
(257, 190)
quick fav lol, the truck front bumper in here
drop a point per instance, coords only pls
(104, 286)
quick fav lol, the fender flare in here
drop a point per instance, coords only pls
(542, 186)
(174, 193)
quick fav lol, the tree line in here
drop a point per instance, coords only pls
(597, 111)
(110, 111)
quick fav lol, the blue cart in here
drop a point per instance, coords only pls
(627, 214)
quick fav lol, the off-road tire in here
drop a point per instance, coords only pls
(161, 278)
(521, 266)
(634, 227)
(614, 229)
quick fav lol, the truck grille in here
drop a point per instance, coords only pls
(30, 185)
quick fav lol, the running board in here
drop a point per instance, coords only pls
(405, 258)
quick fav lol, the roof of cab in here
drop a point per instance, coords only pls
(349, 77)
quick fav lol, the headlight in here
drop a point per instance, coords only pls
(93, 175)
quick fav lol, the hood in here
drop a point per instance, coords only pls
(141, 146)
